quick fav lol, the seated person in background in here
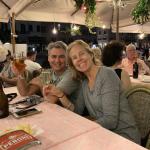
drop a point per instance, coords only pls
(132, 57)
(6, 75)
(100, 93)
(112, 57)
(59, 74)
(32, 66)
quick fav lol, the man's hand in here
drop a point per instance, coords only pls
(52, 93)
(16, 71)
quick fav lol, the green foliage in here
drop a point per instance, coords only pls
(141, 13)
(78, 3)
(90, 4)
(90, 19)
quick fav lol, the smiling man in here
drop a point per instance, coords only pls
(59, 74)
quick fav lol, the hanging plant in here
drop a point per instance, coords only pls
(141, 13)
(75, 30)
(91, 21)
(89, 4)
(90, 7)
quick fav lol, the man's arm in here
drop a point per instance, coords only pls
(12, 81)
(26, 89)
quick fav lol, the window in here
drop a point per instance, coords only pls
(43, 29)
(23, 28)
(30, 28)
(38, 28)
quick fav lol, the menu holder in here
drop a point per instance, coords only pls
(17, 140)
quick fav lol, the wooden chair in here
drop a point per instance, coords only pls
(139, 101)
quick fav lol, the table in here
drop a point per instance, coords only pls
(139, 81)
(58, 123)
(65, 130)
(98, 139)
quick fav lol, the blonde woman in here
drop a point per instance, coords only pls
(97, 54)
(100, 93)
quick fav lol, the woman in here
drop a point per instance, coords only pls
(100, 93)
(112, 57)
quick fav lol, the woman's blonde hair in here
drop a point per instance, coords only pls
(76, 74)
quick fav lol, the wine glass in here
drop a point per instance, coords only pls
(142, 73)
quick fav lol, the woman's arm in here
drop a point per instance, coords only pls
(110, 100)
(126, 82)
(50, 91)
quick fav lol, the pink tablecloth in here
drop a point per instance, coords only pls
(58, 124)
(65, 130)
(98, 139)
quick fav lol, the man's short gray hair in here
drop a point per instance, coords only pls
(57, 44)
(131, 46)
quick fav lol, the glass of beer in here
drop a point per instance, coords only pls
(18, 61)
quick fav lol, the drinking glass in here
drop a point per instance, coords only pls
(18, 61)
(46, 77)
(142, 73)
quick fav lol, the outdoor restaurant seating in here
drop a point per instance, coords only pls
(139, 100)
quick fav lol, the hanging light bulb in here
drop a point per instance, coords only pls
(54, 31)
(104, 26)
(83, 8)
(141, 36)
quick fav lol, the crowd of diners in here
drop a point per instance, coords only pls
(82, 78)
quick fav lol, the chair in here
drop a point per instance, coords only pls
(139, 101)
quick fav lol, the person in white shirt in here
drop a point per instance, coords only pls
(31, 65)
(132, 57)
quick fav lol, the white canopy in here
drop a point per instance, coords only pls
(135, 28)
(61, 10)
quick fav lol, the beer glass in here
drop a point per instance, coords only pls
(18, 61)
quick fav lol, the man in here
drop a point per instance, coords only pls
(32, 66)
(132, 57)
(58, 75)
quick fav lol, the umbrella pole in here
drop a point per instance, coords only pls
(13, 34)
(117, 23)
